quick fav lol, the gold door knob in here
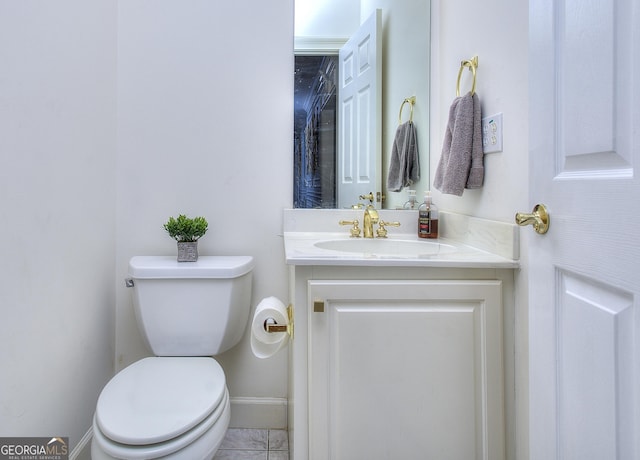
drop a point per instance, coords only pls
(539, 218)
(369, 197)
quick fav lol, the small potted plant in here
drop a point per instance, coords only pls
(186, 232)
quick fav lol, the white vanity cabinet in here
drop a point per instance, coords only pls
(405, 355)
(398, 363)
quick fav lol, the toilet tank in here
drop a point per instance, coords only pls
(191, 308)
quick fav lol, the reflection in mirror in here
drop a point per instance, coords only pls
(321, 27)
(314, 135)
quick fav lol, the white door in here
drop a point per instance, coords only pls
(359, 120)
(584, 274)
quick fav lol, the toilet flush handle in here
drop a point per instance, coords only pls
(128, 282)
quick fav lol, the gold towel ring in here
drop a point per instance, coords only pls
(411, 100)
(473, 65)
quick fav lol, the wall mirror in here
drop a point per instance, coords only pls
(321, 29)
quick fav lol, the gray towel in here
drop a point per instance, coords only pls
(462, 161)
(404, 168)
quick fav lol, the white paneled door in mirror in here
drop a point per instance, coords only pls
(584, 274)
(360, 99)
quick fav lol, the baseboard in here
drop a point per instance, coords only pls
(264, 413)
(82, 450)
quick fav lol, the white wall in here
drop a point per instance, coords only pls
(326, 18)
(497, 32)
(205, 116)
(57, 213)
(114, 117)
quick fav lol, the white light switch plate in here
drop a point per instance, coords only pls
(492, 133)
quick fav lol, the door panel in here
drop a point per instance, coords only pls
(595, 354)
(359, 120)
(584, 273)
(592, 104)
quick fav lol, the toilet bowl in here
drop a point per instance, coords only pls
(162, 408)
(175, 405)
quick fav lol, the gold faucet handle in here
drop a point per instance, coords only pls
(382, 231)
(355, 230)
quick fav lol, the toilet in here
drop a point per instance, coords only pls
(175, 405)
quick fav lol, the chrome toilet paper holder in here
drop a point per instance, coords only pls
(270, 324)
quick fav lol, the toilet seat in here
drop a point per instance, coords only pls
(199, 443)
(158, 399)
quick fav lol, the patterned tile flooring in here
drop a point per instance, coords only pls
(250, 444)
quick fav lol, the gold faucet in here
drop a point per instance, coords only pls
(370, 218)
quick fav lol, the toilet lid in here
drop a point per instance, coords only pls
(159, 398)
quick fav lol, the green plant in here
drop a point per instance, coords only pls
(185, 229)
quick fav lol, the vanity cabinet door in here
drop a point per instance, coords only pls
(405, 370)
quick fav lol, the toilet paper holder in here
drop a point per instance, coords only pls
(270, 324)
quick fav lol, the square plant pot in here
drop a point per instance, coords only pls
(187, 251)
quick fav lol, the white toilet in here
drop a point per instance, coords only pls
(176, 405)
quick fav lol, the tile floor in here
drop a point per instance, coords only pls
(250, 444)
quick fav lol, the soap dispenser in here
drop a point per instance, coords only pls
(428, 218)
(412, 202)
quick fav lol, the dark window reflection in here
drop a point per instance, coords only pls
(314, 134)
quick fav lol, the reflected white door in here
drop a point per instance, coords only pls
(584, 274)
(359, 120)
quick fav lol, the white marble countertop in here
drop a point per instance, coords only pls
(497, 242)
(300, 249)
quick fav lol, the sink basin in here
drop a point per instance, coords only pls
(384, 247)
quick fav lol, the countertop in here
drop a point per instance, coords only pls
(497, 243)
